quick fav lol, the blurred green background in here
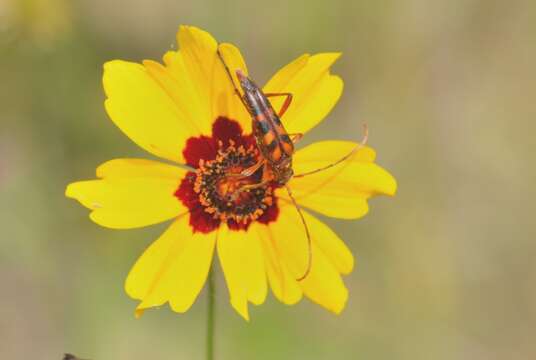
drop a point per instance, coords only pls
(445, 270)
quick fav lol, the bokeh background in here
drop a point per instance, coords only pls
(445, 270)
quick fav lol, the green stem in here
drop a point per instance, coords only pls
(210, 314)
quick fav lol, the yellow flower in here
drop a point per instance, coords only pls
(186, 111)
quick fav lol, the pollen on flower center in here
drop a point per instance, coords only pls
(216, 192)
(220, 186)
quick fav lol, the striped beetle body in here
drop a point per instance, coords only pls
(272, 139)
(273, 142)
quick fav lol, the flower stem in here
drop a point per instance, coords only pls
(210, 314)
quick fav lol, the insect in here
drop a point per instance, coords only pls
(275, 145)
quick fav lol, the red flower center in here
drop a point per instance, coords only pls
(216, 191)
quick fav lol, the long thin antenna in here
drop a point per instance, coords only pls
(310, 252)
(344, 158)
(228, 71)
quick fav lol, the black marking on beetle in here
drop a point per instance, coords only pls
(285, 138)
(271, 146)
(263, 126)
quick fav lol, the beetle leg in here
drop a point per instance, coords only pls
(234, 196)
(252, 169)
(247, 172)
(267, 177)
(286, 104)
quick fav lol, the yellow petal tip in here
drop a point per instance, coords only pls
(138, 312)
(241, 308)
(245, 314)
(337, 54)
(69, 190)
(392, 188)
(111, 63)
(337, 310)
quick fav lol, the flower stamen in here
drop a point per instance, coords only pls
(218, 182)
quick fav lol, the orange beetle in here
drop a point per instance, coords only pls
(275, 145)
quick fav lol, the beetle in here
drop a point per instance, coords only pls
(275, 145)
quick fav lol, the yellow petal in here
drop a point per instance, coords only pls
(330, 244)
(133, 193)
(242, 262)
(323, 285)
(321, 234)
(329, 151)
(282, 282)
(136, 168)
(198, 51)
(284, 76)
(191, 67)
(290, 238)
(205, 86)
(144, 111)
(173, 269)
(315, 91)
(179, 87)
(330, 256)
(341, 191)
(226, 101)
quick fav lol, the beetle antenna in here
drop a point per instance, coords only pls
(309, 245)
(228, 71)
(344, 158)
